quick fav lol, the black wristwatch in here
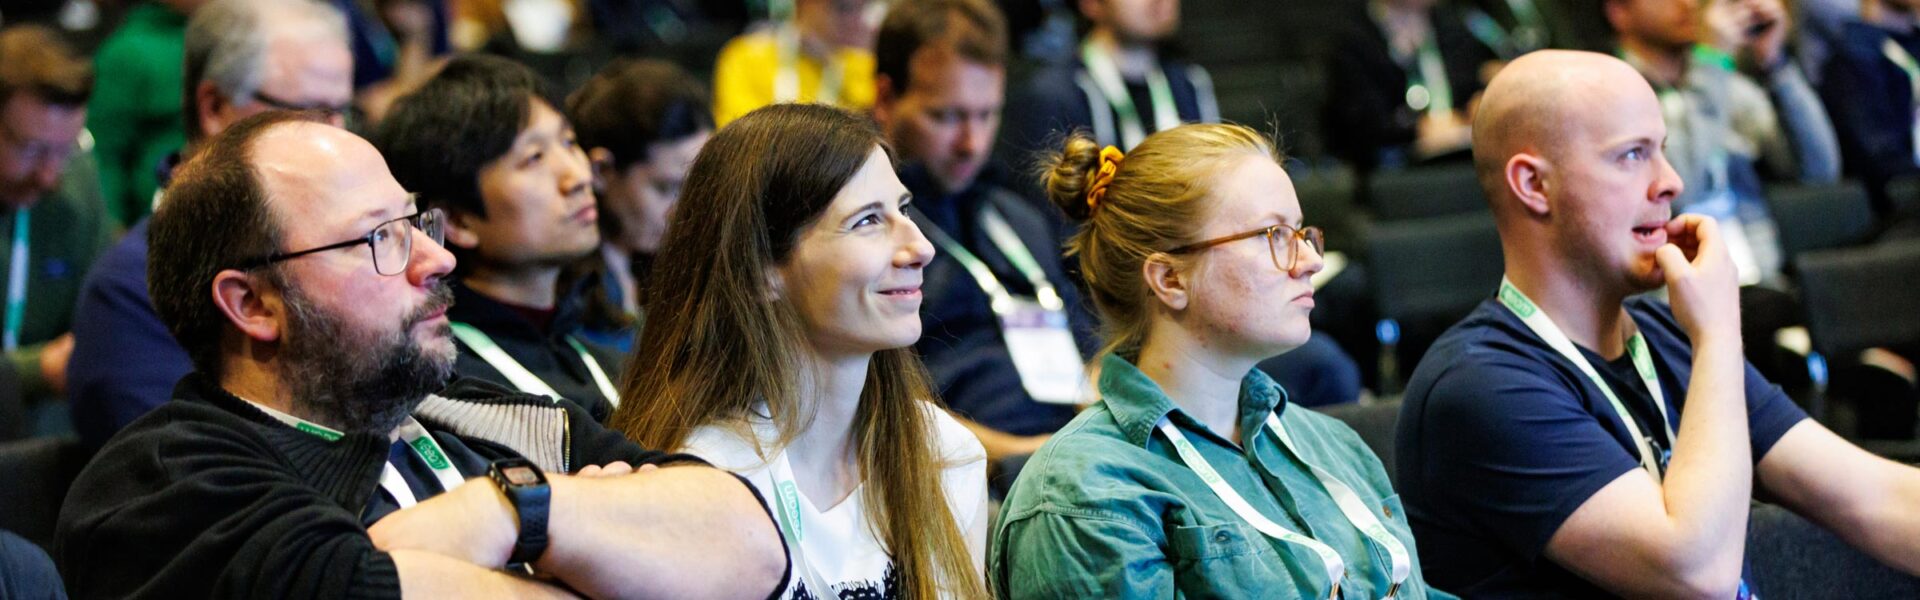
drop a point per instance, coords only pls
(525, 487)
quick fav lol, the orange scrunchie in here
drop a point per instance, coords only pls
(1109, 164)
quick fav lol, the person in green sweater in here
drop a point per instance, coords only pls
(55, 226)
(135, 117)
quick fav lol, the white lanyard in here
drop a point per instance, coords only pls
(1106, 76)
(417, 438)
(1543, 326)
(16, 283)
(523, 379)
(1906, 62)
(786, 79)
(1351, 506)
(786, 499)
(1004, 238)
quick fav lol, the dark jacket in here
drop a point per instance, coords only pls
(207, 496)
(545, 354)
(124, 362)
(961, 341)
(1367, 119)
(1871, 102)
(1062, 98)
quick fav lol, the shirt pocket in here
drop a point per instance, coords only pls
(1228, 560)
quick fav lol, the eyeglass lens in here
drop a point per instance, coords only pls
(393, 241)
(1284, 244)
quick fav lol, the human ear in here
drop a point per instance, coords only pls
(1528, 178)
(247, 305)
(1166, 278)
(459, 230)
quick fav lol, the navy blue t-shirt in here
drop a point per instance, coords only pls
(1501, 439)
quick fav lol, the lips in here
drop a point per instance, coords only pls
(1305, 298)
(1652, 233)
(902, 292)
(586, 214)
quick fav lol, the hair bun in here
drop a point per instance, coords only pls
(1069, 175)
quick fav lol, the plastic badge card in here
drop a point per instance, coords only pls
(1043, 351)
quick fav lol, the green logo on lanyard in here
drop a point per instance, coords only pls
(324, 433)
(1517, 301)
(790, 504)
(424, 445)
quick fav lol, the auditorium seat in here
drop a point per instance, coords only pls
(1424, 192)
(1818, 217)
(37, 473)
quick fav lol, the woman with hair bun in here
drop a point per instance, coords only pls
(1192, 476)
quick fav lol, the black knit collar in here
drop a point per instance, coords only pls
(346, 470)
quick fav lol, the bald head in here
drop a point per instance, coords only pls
(1544, 103)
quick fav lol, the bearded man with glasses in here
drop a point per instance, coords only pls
(319, 450)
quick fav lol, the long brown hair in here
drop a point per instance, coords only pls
(714, 345)
(1155, 201)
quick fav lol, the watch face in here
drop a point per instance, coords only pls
(521, 476)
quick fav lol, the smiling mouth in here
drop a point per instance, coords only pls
(901, 292)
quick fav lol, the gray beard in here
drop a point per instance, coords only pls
(361, 382)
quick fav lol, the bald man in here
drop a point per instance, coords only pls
(1536, 460)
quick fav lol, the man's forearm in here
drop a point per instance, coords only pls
(429, 575)
(1709, 480)
(676, 532)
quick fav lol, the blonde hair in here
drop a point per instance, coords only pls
(1154, 202)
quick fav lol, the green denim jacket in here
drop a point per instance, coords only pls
(1106, 509)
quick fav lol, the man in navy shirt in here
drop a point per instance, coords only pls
(1565, 441)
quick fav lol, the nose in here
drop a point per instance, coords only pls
(1306, 260)
(1667, 185)
(575, 172)
(430, 261)
(973, 136)
(915, 251)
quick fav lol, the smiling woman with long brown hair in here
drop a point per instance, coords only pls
(779, 321)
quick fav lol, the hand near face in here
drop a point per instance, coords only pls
(1702, 283)
(1758, 26)
(1767, 31)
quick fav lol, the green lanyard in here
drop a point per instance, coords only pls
(1543, 326)
(786, 499)
(1903, 59)
(1004, 238)
(523, 379)
(16, 283)
(1430, 91)
(1106, 76)
(421, 442)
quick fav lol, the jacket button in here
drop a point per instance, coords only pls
(1222, 537)
(1387, 508)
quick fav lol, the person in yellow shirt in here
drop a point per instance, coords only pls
(824, 54)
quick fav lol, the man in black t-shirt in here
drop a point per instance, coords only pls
(1565, 441)
(316, 453)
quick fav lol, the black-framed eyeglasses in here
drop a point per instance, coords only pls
(1283, 243)
(343, 109)
(390, 241)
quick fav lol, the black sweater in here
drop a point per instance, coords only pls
(209, 497)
